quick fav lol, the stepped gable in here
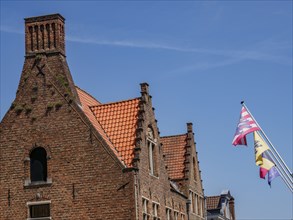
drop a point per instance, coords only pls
(119, 121)
(174, 148)
(86, 101)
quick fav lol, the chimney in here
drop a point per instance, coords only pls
(144, 88)
(45, 59)
(189, 127)
(232, 208)
(44, 34)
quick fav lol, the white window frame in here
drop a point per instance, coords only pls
(29, 204)
(168, 213)
(152, 145)
(182, 216)
(156, 207)
(191, 201)
(151, 159)
(196, 205)
(176, 215)
(151, 149)
(145, 209)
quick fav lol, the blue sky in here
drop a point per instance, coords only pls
(200, 58)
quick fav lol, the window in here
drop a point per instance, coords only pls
(191, 201)
(151, 151)
(194, 170)
(168, 213)
(151, 157)
(39, 211)
(203, 207)
(198, 205)
(182, 216)
(145, 212)
(155, 211)
(38, 164)
(176, 214)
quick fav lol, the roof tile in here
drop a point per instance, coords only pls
(87, 101)
(120, 125)
(174, 151)
(213, 202)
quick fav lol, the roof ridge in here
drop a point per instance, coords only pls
(176, 135)
(213, 196)
(111, 103)
(87, 94)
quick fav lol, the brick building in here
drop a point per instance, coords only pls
(65, 155)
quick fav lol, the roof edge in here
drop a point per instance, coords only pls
(77, 87)
(176, 135)
(111, 103)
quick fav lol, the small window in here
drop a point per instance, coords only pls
(168, 214)
(182, 216)
(203, 207)
(191, 201)
(39, 211)
(155, 211)
(151, 157)
(198, 205)
(176, 214)
(151, 143)
(194, 170)
(38, 163)
(145, 212)
(194, 203)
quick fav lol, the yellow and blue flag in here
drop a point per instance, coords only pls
(263, 159)
(259, 147)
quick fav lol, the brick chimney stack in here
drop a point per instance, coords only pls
(189, 127)
(45, 66)
(44, 34)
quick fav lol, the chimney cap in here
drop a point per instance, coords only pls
(144, 87)
(189, 127)
(44, 18)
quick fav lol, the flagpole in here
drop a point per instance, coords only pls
(278, 158)
(281, 172)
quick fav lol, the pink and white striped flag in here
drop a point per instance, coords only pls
(245, 126)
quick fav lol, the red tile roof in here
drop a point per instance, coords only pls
(174, 151)
(213, 202)
(87, 101)
(119, 121)
(86, 98)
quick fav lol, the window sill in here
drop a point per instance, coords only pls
(197, 215)
(157, 177)
(29, 184)
(41, 218)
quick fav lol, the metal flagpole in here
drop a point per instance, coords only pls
(280, 169)
(289, 185)
(278, 157)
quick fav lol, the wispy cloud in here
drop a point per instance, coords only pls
(10, 29)
(202, 66)
(241, 57)
(126, 43)
(229, 56)
(236, 55)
